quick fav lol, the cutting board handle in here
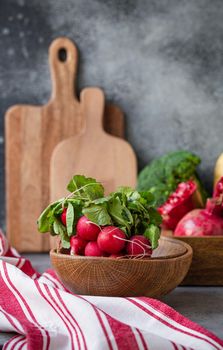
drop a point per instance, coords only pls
(63, 57)
(93, 104)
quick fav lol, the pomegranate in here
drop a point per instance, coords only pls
(204, 222)
(178, 204)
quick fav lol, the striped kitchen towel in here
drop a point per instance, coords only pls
(47, 316)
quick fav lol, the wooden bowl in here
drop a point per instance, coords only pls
(207, 263)
(153, 277)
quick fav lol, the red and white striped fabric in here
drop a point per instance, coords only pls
(46, 316)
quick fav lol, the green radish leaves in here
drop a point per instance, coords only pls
(154, 216)
(65, 240)
(45, 221)
(152, 233)
(119, 213)
(70, 219)
(49, 220)
(60, 229)
(98, 214)
(85, 188)
(130, 210)
(56, 227)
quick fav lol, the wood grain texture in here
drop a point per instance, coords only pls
(31, 133)
(151, 277)
(207, 264)
(94, 153)
(113, 121)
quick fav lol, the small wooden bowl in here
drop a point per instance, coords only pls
(153, 277)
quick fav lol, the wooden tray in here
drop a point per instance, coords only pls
(207, 263)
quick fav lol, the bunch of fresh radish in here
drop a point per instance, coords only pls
(123, 224)
(108, 241)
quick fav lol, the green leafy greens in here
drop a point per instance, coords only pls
(130, 210)
(85, 188)
(162, 175)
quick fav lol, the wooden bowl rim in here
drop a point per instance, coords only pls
(170, 234)
(189, 251)
(199, 237)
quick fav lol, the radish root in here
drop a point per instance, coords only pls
(136, 243)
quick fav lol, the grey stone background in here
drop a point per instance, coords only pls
(160, 60)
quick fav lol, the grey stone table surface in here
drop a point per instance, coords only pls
(203, 305)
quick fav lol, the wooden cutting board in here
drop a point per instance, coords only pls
(31, 133)
(94, 153)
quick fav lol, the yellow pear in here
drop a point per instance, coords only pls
(218, 171)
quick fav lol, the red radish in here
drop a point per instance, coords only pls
(87, 229)
(178, 204)
(111, 239)
(77, 245)
(204, 222)
(139, 245)
(63, 217)
(92, 249)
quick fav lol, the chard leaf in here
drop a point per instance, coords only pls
(70, 219)
(85, 188)
(153, 234)
(98, 214)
